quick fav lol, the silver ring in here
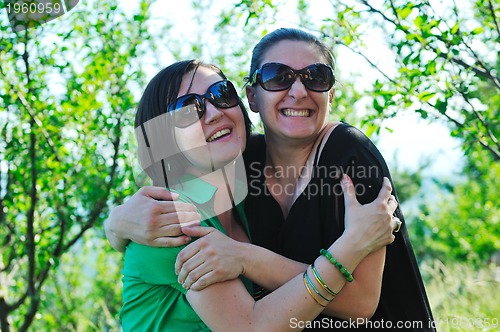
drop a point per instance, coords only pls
(399, 223)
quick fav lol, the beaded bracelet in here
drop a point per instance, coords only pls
(309, 291)
(342, 269)
(321, 282)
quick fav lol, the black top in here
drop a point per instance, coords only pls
(316, 220)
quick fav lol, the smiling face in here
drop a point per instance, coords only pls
(219, 136)
(295, 113)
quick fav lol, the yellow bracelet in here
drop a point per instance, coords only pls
(310, 293)
(315, 289)
(321, 282)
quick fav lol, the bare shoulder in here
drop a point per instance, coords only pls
(334, 124)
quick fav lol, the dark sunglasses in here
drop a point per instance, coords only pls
(273, 76)
(190, 108)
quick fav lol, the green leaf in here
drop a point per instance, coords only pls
(442, 106)
(420, 21)
(426, 96)
(403, 13)
(423, 113)
(477, 31)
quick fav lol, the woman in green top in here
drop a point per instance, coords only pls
(191, 128)
(196, 152)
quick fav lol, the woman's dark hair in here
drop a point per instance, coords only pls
(271, 39)
(160, 91)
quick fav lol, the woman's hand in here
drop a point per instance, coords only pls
(373, 224)
(213, 258)
(151, 217)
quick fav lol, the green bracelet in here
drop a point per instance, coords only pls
(343, 270)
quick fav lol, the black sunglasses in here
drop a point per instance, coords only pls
(273, 76)
(190, 108)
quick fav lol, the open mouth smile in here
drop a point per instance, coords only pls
(296, 113)
(219, 134)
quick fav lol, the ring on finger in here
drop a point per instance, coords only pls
(398, 224)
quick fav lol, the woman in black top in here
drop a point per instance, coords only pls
(313, 221)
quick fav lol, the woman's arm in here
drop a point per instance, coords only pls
(227, 305)
(151, 217)
(214, 258)
(358, 299)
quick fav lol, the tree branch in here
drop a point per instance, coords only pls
(57, 253)
(490, 134)
(94, 215)
(4, 313)
(30, 234)
(32, 113)
(495, 152)
(445, 55)
(371, 63)
(493, 16)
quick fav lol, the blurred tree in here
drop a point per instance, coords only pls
(446, 61)
(85, 293)
(65, 96)
(463, 224)
(447, 65)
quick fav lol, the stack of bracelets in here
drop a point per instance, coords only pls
(309, 284)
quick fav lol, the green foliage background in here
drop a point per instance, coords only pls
(68, 90)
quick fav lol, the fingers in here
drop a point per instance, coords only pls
(180, 219)
(162, 207)
(171, 236)
(183, 256)
(392, 204)
(208, 279)
(161, 227)
(349, 191)
(385, 192)
(190, 264)
(391, 200)
(171, 224)
(170, 241)
(197, 231)
(158, 193)
(197, 275)
(191, 271)
(168, 216)
(201, 277)
(187, 253)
